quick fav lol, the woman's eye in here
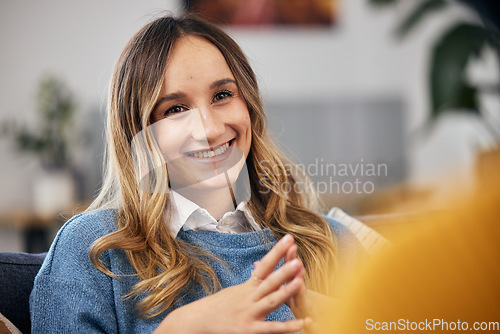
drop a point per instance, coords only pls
(174, 110)
(222, 95)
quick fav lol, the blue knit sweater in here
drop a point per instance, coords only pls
(71, 296)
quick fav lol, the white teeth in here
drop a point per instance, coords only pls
(210, 153)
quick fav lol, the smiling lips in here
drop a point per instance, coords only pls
(210, 153)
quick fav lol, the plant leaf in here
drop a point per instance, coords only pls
(383, 2)
(449, 89)
(488, 11)
(420, 12)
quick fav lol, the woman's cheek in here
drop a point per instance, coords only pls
(170, 142)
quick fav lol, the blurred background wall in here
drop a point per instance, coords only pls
(348, 94)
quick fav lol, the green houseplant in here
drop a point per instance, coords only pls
(49, 137)
(449, 89)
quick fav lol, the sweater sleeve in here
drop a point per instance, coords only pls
(70, 295)
(349, 249)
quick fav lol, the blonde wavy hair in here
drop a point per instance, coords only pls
(164, 264)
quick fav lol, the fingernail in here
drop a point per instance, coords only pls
(294, 263)
(286, 239)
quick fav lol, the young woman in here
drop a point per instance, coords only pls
(183, 237)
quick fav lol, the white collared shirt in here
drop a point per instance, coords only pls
(185, 213)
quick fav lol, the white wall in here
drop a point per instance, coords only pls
(76, 40)
(80, 41)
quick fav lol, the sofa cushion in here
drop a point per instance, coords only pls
(17, 274)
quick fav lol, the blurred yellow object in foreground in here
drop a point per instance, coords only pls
(441, 276)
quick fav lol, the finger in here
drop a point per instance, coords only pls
(291, 253)
(302, 271)
(272, 301)
(299, 304)
(272, 258)
(274, 327)
(276, 279)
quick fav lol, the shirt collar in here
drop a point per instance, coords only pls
(182, 210)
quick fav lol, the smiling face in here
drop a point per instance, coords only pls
(201, 122)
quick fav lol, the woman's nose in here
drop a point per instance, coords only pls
(210, 126)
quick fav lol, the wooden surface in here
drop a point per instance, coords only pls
(29, 218)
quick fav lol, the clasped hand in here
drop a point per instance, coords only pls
(243, 308)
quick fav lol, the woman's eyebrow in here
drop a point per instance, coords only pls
(221, 82)
(169, 97)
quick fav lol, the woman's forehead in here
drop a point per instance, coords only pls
(193, 57)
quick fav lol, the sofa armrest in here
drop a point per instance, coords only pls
(370, 240)
(17, 274)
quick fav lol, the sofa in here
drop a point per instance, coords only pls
(17, 274)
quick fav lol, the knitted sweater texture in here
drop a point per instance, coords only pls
(71, 296)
